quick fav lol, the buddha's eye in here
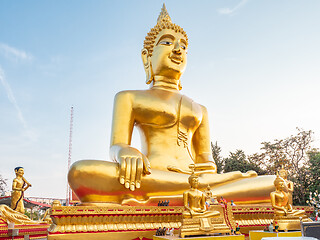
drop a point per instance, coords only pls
(166, 43)
(183, 47)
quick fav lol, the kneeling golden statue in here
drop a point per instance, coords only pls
(198, 219)
(286, 217)
(174, 133)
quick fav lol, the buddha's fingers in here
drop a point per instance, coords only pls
(133, 173)
(122, 169)
(178, 170)
(128, 171)
(146, 165)
(139, 172)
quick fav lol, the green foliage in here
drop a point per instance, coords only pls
(216, 150)
(238, 161)
(314, 170)
(294, 153)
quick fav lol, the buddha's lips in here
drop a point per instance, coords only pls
(176, 59)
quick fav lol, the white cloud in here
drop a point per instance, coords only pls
(13, 101)
(230, 11)
(11, 52)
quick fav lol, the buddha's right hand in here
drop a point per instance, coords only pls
(133, 164)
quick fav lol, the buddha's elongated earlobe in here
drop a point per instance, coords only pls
(179, 85)
(147, 65)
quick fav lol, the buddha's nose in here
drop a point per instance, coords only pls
(176, 48)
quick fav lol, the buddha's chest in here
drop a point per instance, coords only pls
(166, 111)
(19, 183)
(195, 198)
(282, 199)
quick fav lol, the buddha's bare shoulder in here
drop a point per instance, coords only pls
(132, 93)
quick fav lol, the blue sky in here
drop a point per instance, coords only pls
(253, 64)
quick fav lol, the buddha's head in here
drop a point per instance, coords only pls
(164, 52)
(19, 171)
(279, 183)
(194, 181)
(283, 173)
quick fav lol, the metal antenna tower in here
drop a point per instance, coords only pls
(69, 156)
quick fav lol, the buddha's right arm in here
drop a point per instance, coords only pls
(201, 145)
(132, 162)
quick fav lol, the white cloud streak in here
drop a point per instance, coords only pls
(11, 52)
(12, 99)
(230, 11)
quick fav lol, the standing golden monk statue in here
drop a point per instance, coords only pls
(19, 186)
(174, 134)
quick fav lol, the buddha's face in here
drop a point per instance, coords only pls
(283, 174)
(194, 182)
(169, 56)
(280, 186)
(20, 172)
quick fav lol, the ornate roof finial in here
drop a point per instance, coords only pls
(163, 16)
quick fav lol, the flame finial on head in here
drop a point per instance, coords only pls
(164, 15)
(163, 22)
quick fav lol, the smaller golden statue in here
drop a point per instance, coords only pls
(286, 217)
(195, 201)
(210, 198)
(19, 186)
(198, 219)
(289, 184)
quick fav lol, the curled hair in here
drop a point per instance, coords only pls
(17, 169)
(152, 35)
(163, 22)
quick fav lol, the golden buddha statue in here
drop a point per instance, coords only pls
(195, 201)
(210, 198)
(197, 219)
(19, 186)
(280, 200)
(174, 134)
(285, 216)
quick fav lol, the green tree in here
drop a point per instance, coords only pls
(292, 153)
(238, 161)
(216, 150)
(314, 166)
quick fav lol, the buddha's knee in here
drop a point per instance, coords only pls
(90, 172)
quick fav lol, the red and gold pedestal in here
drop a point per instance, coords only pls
(136, 222)
(250, 217)
(120, 222)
